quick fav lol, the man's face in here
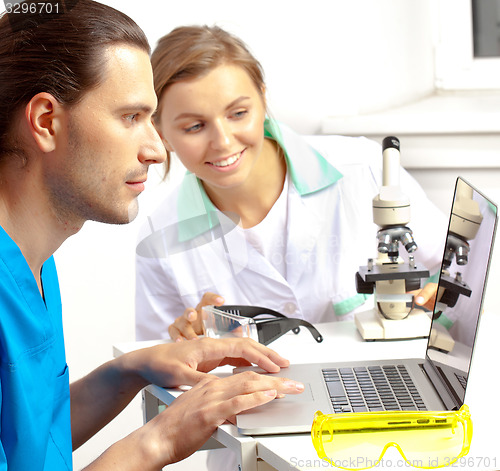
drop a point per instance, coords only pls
(109, 144)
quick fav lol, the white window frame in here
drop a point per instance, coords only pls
(455, 65)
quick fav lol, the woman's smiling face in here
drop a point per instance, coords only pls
(214, 124)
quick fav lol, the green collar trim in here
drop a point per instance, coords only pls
(445, 321)
(309, 173)
(196, 212)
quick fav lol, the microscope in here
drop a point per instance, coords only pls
(465, 220)
(389, 277)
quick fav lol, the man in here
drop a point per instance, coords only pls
(76, 141)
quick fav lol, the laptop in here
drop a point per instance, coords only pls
(436, 382)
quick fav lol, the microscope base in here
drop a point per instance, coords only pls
(441, 339)
(373, 326)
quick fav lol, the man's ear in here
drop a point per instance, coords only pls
(43, 119)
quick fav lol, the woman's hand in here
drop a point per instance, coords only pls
(190, 324)
(426, 296)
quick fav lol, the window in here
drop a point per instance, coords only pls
(486, 28)
(468, 44)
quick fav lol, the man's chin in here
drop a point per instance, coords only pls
(118, 217)
(133, 211)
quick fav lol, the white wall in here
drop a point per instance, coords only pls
(321, 58)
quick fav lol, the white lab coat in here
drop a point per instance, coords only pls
(329, 235)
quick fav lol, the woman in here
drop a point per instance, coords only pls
(263, 216)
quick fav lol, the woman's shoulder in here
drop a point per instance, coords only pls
(346, 150)
(338, 150)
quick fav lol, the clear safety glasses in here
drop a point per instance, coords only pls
(426, 440)
(261, 324)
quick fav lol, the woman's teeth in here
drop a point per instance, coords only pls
(229, 161)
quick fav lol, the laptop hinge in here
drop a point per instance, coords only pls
(445, 393)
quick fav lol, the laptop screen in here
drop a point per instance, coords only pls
(461, 286)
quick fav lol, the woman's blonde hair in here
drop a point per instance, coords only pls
(189, 52)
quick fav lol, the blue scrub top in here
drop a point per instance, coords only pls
(35, 421)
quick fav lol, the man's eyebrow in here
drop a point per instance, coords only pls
(197, 115)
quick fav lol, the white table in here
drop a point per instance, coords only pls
(342, 342)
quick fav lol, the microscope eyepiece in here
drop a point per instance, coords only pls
(390, 142)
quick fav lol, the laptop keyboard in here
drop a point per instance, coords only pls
(373, 388)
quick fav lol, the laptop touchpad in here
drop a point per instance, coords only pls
(305, 396)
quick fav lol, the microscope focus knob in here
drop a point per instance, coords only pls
(362, 286)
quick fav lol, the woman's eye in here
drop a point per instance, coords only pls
(240, 114)
(194, 128)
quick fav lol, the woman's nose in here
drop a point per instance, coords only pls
(221, 135)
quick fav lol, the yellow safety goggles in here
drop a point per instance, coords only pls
(425, 439)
